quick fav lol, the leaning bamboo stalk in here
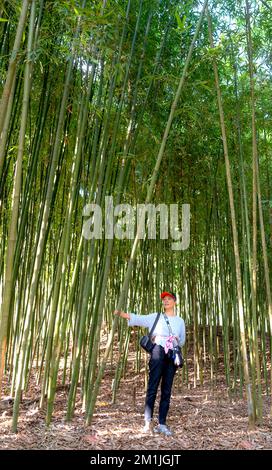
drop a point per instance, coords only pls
(265, 260)
(12, 237)
(234, 234)
(12, 64)
(5, 133)
(244, 214)
(256, 361)
(150, 191)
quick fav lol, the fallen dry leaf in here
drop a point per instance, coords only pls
(90, 438)
(245, 445)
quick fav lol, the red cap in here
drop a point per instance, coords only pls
(171, 294)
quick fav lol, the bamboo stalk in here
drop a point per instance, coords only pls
(12, 65)
(235, 237)
(12, 237)
(256, 361)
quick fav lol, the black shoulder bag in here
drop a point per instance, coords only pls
(146, 341)
(176, 354)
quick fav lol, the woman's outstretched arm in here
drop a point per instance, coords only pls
(122, 314)
(137, 320)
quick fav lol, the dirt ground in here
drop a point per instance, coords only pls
(200, 417)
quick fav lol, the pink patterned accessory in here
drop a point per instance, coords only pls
(169, 343)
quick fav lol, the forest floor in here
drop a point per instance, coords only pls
(201, 418)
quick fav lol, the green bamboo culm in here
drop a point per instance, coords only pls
(235, 238)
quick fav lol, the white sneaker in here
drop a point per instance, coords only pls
(163, 429)
(148, 428)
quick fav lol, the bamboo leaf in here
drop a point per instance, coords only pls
(180, 21)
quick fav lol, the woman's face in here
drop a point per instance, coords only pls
(168, 302)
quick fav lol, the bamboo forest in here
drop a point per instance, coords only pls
(135, 158)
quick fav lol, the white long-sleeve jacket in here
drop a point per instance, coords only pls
(161, 331)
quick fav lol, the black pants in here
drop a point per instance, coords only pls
(161, 367)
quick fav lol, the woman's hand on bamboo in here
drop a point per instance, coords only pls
(122, 314)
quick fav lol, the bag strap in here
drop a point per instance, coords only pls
(154, 324)
(169, 328)
(168, 324)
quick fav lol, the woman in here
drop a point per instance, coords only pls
(161, 364)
